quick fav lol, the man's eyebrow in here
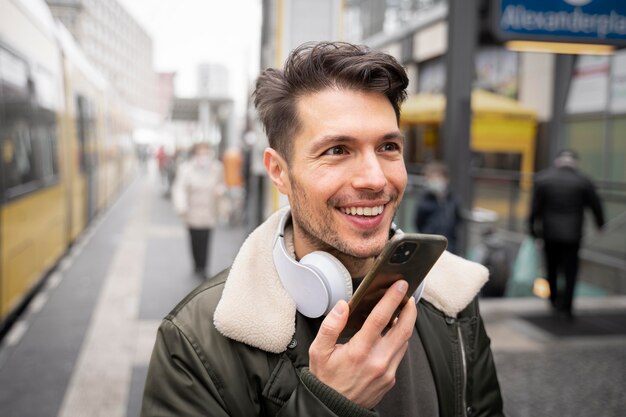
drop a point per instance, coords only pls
(335, 138)
(332, 139)
(393, 135)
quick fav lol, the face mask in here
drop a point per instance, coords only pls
(202, 161)
(437, 186)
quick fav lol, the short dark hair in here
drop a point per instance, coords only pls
(314, 67)
(568, 153)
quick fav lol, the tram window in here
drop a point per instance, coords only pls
(45, 141)
(84, 129)
(28, 136)
(13, 77)
(47, 91)
(18, 158)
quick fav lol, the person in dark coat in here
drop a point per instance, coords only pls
(438, 211)
(559, 199)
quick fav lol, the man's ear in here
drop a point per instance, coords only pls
(277, 170)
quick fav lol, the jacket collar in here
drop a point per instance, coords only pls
(256, 310)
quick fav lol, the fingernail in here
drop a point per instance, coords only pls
(338, 309)
(402, 286)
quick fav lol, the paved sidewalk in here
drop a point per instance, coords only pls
(548, 366)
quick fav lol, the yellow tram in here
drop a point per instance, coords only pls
(65, 150)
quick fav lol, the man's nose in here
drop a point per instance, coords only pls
(369, 173)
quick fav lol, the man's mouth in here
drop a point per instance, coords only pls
(363, 211)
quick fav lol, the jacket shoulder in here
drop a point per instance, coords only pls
(194, 366)
(192, 320)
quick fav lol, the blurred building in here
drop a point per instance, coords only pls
(116, 44)
(165, 93)
(519, 117)
(287, 24)
(213, 80)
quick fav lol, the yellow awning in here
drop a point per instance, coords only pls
(423, 109)
(499, 124)
(430, 108)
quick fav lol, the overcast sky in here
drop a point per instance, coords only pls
(186, 33)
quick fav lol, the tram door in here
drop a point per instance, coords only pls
(87, 153)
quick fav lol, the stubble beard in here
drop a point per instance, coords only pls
(321, 235)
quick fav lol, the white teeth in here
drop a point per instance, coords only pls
(363, 211)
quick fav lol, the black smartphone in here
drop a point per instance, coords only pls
(407, 256)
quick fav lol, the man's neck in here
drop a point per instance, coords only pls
(356, 266)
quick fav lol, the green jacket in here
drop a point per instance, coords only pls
(236, 346)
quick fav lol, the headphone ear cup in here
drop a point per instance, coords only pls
(335, 276)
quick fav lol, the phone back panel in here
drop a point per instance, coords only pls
(407, 256)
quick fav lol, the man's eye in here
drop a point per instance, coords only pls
(335, 150)
(391, 146)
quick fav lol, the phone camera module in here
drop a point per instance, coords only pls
(403, 253)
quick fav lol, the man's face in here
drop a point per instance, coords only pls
(347, 175)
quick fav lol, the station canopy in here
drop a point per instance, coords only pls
(427, 108)
(499, 124)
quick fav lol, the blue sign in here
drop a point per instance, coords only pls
(589, 21)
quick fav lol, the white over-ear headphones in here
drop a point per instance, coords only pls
(315, 283)
(319, 280)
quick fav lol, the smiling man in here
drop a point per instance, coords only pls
(263, 337)
(344, 174)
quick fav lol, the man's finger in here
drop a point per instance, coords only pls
(381, 314)
(396, 341)
(330, 329)
(404, 325)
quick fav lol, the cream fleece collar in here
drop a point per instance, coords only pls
(256, 310)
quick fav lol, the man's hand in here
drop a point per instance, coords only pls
(364, 369)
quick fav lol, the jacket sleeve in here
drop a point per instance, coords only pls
(179, 191)
(312, 398)
(220, 188)
(178, 383)
(486, 395)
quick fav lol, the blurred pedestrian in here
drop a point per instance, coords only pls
(162, 159)
(560, 196)
(438, 211)
(198, 188)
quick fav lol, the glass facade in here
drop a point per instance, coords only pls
(587, 137)
(366, 18)
(617, 156)
(596, 129)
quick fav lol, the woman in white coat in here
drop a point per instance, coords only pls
(197, 189)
